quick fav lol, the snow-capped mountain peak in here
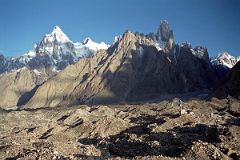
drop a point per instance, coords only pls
(57, 29)
(93, 45)
(225, 59)
(55, 51)
(58, 35)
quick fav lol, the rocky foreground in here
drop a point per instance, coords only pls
(193, 129)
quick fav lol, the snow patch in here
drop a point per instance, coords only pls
(93, 45)
(158, 46)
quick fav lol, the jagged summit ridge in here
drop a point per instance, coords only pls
(56, 35)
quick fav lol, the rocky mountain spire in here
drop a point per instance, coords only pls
(164, 36)
(164, 31)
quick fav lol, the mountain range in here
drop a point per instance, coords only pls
(136, 67)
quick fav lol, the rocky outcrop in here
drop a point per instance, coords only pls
(230, 85)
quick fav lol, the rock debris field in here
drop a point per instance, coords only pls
(174, 129)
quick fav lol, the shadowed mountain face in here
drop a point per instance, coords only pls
(132, 69)
(230, 85)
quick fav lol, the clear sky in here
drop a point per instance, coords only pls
(211, 23)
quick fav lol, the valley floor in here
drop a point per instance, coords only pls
(193, 129)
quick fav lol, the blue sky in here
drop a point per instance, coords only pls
(211, 23)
